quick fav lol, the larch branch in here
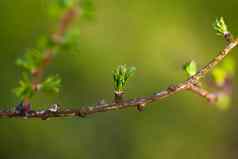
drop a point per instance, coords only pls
(140, 103)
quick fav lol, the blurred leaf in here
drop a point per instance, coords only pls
(71, 41)
(121, 76)
(219, 75)
(190, 68)
(31, 60)
(224, 70)
(25, 88)
(223, 102)
(44, 42)
(229, 65)
(51, 85)
(66, 3)
(87, 8)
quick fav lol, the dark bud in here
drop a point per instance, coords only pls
(172, 88)
(141, 107)
(19, 108)
(118, 96)
(23, 109)
(228, 36)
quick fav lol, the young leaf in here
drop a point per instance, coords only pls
(220, 27)
(51, 85)
(190, 68)
(31, 60)
(121, 76)
(25, 88)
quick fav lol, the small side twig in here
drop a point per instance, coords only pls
(211, 97)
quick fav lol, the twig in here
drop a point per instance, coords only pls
(57, 37)
(140, 103)
(211, 97)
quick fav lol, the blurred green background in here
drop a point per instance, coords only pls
(156, 36)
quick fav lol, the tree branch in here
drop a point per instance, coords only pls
(57, 38)
(55, 111)
(211, 97)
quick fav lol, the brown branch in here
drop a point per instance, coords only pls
(211, 97)
(37, 73)
(140, 103)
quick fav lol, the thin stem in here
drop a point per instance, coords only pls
(189, 84)
(57, 37)
(211, 97)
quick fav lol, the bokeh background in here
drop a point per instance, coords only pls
(156, 36)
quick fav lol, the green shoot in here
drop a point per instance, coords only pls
(220, 27)
(121, 76)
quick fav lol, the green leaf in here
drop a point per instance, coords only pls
(121, 76)
(51, 85)
(71, 41)
(190, 68)
(31, 60)
(220, 26)
(25, 88)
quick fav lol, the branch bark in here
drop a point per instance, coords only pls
(139, 103)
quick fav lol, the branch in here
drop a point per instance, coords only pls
(211, 97)
(55, 111)
(57, 38)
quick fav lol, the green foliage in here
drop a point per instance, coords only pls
(190, 68)
(121, 75)
(70, 41)
(220, 26)
(44, 42)
(224, 70)
(24, 89)
(31, 60)
(57, 8)
(51, 85)
(88, 8)
(223, 102)
(66, 3)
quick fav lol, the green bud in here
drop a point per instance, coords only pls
(220, 26)
(121, 76)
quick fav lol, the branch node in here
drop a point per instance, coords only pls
(172, 88)
(82, 112)
(228, 37)
(118, 96)
(141, 107)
